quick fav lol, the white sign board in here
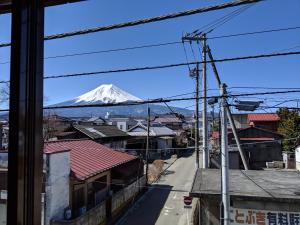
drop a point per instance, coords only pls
(263, 217)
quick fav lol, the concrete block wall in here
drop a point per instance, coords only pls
(95, 216)
(57, 185)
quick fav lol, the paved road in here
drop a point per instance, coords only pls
(163, 204)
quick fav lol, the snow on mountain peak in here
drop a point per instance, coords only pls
(106, 93)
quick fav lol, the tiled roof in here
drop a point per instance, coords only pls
(168, 120)
(88, 158)
(100, 131)
(254, 117)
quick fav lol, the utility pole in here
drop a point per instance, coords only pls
(204, 112)
(224, 158)
(230, 117)
(195, 74)
(205, 153)
(197, 117)
(147, 143)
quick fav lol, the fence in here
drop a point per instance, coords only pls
(97, 215)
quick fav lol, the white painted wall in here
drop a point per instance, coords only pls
(122, 125)
(297, 154)
(297, 157)
(57, 185)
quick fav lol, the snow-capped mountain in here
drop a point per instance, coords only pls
(109, 93)
(106, 93)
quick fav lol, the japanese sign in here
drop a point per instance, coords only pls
(263, 217)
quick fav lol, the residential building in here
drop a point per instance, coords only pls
(84, 181)
(161, 138)
(268, 121)
(123, 123)
(256, 197)
(108, 135)
(93, 121)
(260, 146)
(240, 120)
(172, 121)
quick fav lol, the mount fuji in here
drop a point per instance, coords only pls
(109, 93)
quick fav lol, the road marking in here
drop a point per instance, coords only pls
(175, 196)
(166, 207)
(187, 217)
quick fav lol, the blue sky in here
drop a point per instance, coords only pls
(275, 72)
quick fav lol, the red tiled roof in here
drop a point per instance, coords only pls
(88, 158)
(263, 117)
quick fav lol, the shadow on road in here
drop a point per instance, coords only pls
(149, 209)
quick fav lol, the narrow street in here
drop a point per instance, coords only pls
(163, 203)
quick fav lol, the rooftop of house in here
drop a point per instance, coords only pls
(263, 117)
(95, 119)
(88, 158)
(216, 134)
(278, 185)
(100, 131)
(168, 119)
(156, 130)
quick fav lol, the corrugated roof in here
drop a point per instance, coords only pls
(100, 131)
(254, 117)
(88, 158)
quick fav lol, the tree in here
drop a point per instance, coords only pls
(289, 127)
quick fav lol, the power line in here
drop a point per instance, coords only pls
(164, 44)
(147, 20)
(161, 100)
(254, 32)
(223, 20)
(168, 66)
(262, 87)
(273, 107)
